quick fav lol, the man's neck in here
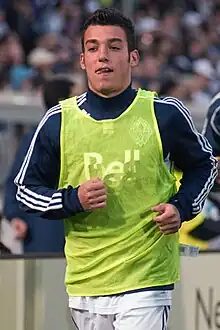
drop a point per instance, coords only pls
(110, 107)
(107, 94)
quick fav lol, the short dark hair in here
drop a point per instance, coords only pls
(55, 90)
(111, 16)
(167, 85)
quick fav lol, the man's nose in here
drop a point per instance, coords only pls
(103, 54)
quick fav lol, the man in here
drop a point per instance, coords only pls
(102, 162)
(209, 229)
(211, 127)
(204, 230)
(36, 234)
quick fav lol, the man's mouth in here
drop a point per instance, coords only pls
(104, 70)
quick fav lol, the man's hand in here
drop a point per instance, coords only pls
(168, 219)
(92, 194)
(19, 227)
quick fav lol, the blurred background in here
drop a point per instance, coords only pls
(179, 43)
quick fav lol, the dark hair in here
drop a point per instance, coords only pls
(55, 90)
(111, 16)
(166, 86)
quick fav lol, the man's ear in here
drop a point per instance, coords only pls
(82, 61)
(134, 58)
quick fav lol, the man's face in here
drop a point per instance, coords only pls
(106, 59)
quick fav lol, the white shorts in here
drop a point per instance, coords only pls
(143, 318)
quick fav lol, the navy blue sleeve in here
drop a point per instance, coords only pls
(212, 125)
(192, 154)
(11, 207)
(37, 179)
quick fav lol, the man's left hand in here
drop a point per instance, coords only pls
(168, 219)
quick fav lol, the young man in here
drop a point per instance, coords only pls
(211, 127)
(211, 225)
(37, 235)
(102, 162)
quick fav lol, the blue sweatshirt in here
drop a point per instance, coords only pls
(38, 177)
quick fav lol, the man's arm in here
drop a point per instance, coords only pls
(38, 177)
(211, 127)
(192, 154)
(11, 209)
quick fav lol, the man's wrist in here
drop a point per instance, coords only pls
(176, 203)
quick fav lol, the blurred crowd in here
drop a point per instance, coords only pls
(37, 39)
(179, 42)
(180, 48)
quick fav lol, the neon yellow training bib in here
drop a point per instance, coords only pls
(118, 248)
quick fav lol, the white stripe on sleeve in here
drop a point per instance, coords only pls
(199, 200)
(26, 196)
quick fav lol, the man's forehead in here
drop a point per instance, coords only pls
(103, 33)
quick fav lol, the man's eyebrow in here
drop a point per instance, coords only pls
(115, 39)
(95, 41)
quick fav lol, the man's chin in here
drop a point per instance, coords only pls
(106, 90)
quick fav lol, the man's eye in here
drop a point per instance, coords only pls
(92, 49)
(115, 48)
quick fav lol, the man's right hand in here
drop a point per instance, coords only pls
(19, 227)
(92, 194)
